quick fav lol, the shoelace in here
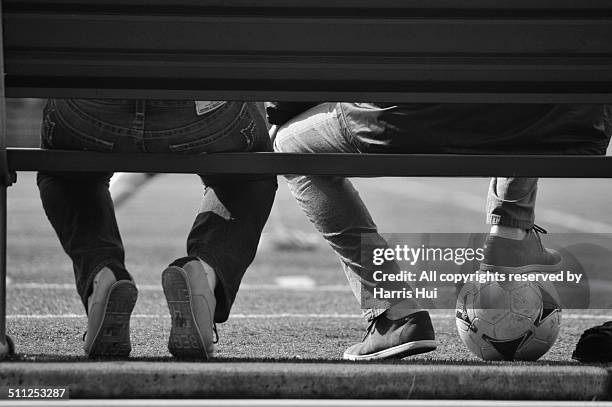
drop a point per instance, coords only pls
(539, 229)
(216, 333)
(369, 330)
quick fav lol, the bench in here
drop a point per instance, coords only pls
(447, 51)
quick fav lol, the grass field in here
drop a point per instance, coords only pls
(293, 305)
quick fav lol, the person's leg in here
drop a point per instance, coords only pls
(331, 204)
(80, 210)
(282, 237)
(335, 209)
(511, 203)
(234, 210)
(79, 207)
(201, 288)
(513, 244)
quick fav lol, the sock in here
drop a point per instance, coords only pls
(508, 232)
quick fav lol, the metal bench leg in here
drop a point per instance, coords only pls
(6, 179)
(6, 344)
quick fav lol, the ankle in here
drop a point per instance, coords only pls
(210, 275)
(105, 277)
(401, 310)
(508, 232)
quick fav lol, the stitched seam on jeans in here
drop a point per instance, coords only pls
(195, 127)
(249, 132)
(48, 126)
(84, 137)
(100, 125)
(213, 137)
(346, 130)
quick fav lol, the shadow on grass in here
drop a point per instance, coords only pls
(45, 358)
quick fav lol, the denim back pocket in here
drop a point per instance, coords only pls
(232, 132)
(47, 127)
(73, 130)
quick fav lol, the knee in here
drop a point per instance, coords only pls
(514, 188)
(282, 142)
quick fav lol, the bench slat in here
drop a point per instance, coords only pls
(354, 165)
(551, 6)
(400, 51)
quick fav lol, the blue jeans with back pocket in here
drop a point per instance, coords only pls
(234, 208)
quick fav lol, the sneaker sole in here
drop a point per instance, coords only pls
(112, 338)
(398, 352)
(529, 268)
(185, 340)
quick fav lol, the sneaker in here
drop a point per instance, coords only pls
(595, 345)
(109, 308)
(191, 302)
(395, 339)
(519, 256)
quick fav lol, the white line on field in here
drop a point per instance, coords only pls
(291, 285)
(418, 190)
(276, 316)
(296, 282)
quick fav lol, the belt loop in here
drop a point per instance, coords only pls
(139, 116)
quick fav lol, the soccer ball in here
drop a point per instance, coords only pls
(508, 320)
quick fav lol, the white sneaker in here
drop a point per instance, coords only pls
(109, 308)
(192, 303)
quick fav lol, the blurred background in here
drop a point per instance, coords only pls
(23, 121)
(294, 302)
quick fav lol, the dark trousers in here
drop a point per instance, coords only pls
(234, 209)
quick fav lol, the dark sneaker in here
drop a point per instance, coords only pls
(519, 256)
(192, 308)
(388, 339)
(109, 308)
(595, 345)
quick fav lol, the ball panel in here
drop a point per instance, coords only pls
(532, 349)
(526, 301)
(491, 296)
(513, 326)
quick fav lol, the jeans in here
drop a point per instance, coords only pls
(334, 207)
(511, 202)
(332, 204)
(234, 209)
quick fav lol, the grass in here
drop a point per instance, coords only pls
(154, 234)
